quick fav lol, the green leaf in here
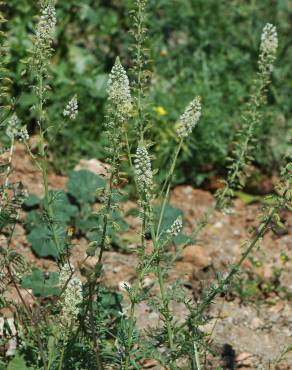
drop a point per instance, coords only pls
(18, 363)
(116, 225)
(82, 185)
(170, 215)
(97, 86)
(32, 201)
(42, 283)
(42, 243)
(63, 210)
(248, 198)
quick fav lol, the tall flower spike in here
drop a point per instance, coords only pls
(268, 48)
(46, 25)
(71, 109)
(189, 118)
(144, 176)
(44, 37)
(119, 88)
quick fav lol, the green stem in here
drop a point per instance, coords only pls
(8, 172)
(168, 184)
(164, 295)
(44, 171)
(196, 359)
(105, 218)
(135, 294)
(94, 335)
(62, 359)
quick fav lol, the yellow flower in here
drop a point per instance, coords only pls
(160, 111)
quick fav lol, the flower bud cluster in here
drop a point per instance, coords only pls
(71, 109)
(44, 38)
(15, 131)
(268, 48)
(143, 172)
(46, 25)
(175, 228)
(119, 89)
(189, 118)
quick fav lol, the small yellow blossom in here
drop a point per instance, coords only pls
(160, 111)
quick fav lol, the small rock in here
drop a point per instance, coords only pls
(148, 363)
(196, 255)
(245, 359)
(92, 165)
(148, 282)
(274, 317)
(256, 323)
(91, 262)
(277, 307)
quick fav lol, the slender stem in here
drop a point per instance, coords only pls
(197, 359)
(51, 354)
(8, 172)
(93, 329)
(33, 321)
(40, 344)
(43, 167)
(135, 294)
(62, 359)
(168, 184)
(105, 218)
(164, 295)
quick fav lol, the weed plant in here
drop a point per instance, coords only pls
(75, 325)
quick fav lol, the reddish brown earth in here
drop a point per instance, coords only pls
(258, 331)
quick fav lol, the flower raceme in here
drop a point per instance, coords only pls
(119, 89)
(143, 172)
(268, 48)
(72, 296)
(44, 36)
(71, 109)
(47, 23)
(175, 228)
(14, 129)
(189, 118)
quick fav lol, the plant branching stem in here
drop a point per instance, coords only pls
(139, 279)
(93, 329)
(44, 171)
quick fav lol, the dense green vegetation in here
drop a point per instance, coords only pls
(196, 47)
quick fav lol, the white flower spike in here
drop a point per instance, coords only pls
(144, 176)
(268, 48)
(119, 88)
(71, 109)
(189, 118)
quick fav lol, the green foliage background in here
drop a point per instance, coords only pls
(204, 47)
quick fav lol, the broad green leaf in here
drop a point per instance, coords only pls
(170, 215)
(42, 283)
(82, 185)
(42, 242)
(32, 201)
(63, 210)
(116, 225)
(18, 363)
